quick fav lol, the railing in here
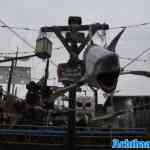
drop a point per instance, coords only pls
(86, 138)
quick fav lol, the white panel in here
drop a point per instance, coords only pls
(21, 75)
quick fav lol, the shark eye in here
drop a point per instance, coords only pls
(79, 104)
(88, 104)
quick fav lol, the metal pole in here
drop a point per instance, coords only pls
(13, 86)
(46, 72)
(95, 91)
(96, 98)
(10, 77)
(71, 117)
(71, 120)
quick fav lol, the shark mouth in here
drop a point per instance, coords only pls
(108, 81)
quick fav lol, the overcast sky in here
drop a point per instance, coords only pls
(36, 13)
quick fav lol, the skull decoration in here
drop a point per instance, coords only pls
(85, 106)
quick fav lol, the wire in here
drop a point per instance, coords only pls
(21, 52)
(130, 26)
(129, 59)
(136, 58)
(20, 28)
(17, 58)
(21, 38)
(112, 28)
(49, 79)
(132, 60)
(18, 35)
(10, 53)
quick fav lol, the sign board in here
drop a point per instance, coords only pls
(21, 75)
(70, 73)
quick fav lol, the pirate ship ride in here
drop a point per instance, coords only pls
(35, 122)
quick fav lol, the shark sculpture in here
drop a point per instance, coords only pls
(102, 65)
